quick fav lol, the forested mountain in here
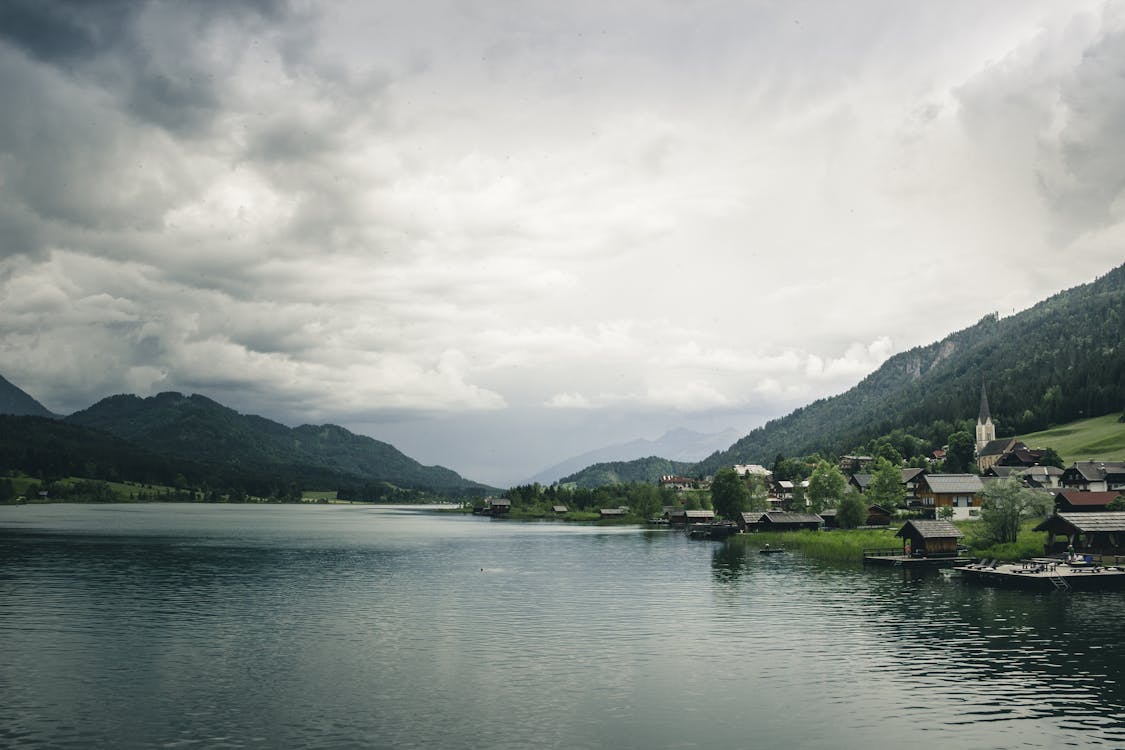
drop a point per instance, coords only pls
(623, 472)
(681, 445)
(202, 431)
(1061, 360)
(15, 401)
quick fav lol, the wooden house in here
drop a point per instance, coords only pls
(877, 515)
(559, 509)
(962, 492)
(1076, 501)
(930, 538)
(613, 513)
(499, 506)
(1097, 533)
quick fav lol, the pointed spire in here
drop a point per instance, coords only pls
(984, 415)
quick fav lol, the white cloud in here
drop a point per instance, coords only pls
(407, 212)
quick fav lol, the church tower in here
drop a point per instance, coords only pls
(986, 431)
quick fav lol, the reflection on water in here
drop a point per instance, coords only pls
(143, 626)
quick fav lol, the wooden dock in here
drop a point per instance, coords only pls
(1044, 574)
(895, 558)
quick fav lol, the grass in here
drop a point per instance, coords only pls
(848, 545)
(1098, 439)
(838, 544)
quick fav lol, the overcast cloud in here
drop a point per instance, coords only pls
(499, 234)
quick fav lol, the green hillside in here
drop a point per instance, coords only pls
(1061, 360)
(625, 472)
(197, 429)
(1097, 439)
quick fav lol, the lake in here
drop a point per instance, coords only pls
(227, 626)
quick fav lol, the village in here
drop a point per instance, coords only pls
(1083, 510)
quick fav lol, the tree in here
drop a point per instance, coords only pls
(1051, 457)
(756, 486)
(852, 511)
(959, 454)
(826, 486)
(886, 488)
(645, 500)
(729, 494)
(1006, 504)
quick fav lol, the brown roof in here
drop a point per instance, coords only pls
(1077, 497)
(933, 529)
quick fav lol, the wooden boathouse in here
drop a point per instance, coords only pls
(1101, 534)
(924, 543)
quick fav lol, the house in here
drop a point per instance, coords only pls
(1095, 476)
(498, 506)
(559, 509)
(859, 482)
(683, 516)
(675, 482)
(829, 517)
(993, 451)
(778, 521)
(1021, 455)
(1041, 476)
(877, 515)
(744, 470)
(1076, 501)
(783, 489)
(612, 513)
(852, 464)
(911, 477)
(962, 492)
(1097, 533)
(930, 538)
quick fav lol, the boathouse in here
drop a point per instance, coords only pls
(683, 516)
(778, 521)
(559, 509)
(1097, 533)
(498, 506)
(930, 538)
(612, 512)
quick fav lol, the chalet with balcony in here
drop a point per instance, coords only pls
(961, 492)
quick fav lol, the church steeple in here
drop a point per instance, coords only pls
(984, 415)
(986, 430)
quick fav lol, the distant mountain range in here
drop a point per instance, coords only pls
(179, 435)
(1061, 360)
(680, 445)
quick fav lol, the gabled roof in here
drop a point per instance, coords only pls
(1039, 471)
(911, 472)
(1096, 471)
(933, 529)
(998, 447)
(1085, 522)
(499, 501)
(784, 517)
(1080, 499)
(1004, 471)
(699, 514)
(753, 516)
(862, 480)
(944, 484)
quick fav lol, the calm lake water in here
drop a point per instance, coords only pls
(199, 626)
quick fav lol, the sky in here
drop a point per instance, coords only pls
(500, 234)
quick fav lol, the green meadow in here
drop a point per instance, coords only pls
(1098, 439)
